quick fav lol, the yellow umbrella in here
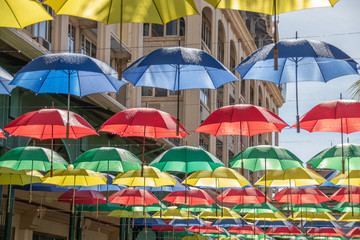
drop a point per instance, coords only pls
(292, 177)
(21, 13)
(117, 11)
(173, 213)
(74, 177)
(228, 238)
(223, 213)
(344, 179)
(276, 216)
(350, 217)
(152, 177)
(268, 7)
(312, 216)
(219, 178)
(195, 237)
(127, 214)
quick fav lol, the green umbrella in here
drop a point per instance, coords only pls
(289, 236)
(199, 208)
(265, 157)
(106, 207)
(319, 207)
(265, 207)
(183, 234)
(331, 158)
(150, 208)
(186, 159)
(347, 207)
(328, 238)
(32, 158)
(107, 159)
(253, 236)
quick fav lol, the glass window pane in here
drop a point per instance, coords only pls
(147, 91)
(157, 30)
(93, 50)
(160, 92)
(146, 29)
(171, 28)
(182, 27)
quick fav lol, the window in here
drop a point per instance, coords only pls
(71, 39)
(42, 236)
(221, 40)
(147, 91)
(160, 92)
(203, 141)
(157, 92)
(206, 27)
(173, 28)
(42, 32)
(87, 47)
(205, 96)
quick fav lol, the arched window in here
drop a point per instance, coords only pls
(221, 42)
(232, 64)
(173, 28)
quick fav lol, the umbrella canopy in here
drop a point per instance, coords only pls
(347, 178)
(355, 232)
(186, 159)
(103, 188)
(275, 158)
(301, 196)
(32, 158)
(223, 213)
(265, 207)
(5, 79)
(226, 222)
(133, 197)
(149, 208)
(108, 12)
(195, 237)
(350, 217)
(74, 177)
(283, 231)
(219, 178)
(135, 123)
(9, 176)
(192, 197)
(173, 213)
(199, 208)
(41, 187)
(276, 216)
(309, 207)
(68, 73)
(187, 222)
(2, 134)
(347, 207)
(241, 119)
(292, 177)
(321, 224)
(265, 224)
(21, 13)
(326, 232)
(206, 229)
(127, 214)
(168, 228)
(149, 222)
(246, 230)
(88, 197)
(183, 68)
(50, 124)
(312, 216)
(241, 196)
(177, 187)
(272, 7)
(109, 159)
(347, 194)
(104, 207)
(331, 158)
(150, 177)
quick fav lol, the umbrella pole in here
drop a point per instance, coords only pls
(241, 153)
(9, 214)
(52, 151)
(265, 182)
(119, 67)
(68, 108)
(178, 101)
(9, 194)
(297, 97)
(342, 148)
(31, 175)
(142, 156)
(275, 41)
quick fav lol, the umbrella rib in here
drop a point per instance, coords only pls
(282, 71)
(42, 83)
(77, 73)
(322, 74)
(157, 9)
(108, 15)
(13, 13)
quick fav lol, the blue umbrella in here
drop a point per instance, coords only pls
(177, 187)
(187, 222)
(42, 187)
(300, 60)
(227, 222)
(150, 222)
(267, 224)
(321, 224)
(178, 68)
(330, 176)
(5, 79)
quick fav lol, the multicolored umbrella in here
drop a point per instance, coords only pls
(187, 222)
(87, 197)
(206, 229)
(107, 159)
(177, 187)
(149, 208)
(242, 196)
(225, 223)
(192, 197)
(131, 196)
(21, 13)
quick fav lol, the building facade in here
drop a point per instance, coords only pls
(227, 35)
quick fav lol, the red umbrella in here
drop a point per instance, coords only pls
(131, 196)
(89, 197)
(193, 197)
(283, 231)
(355, 233)
(342, 195)
(301, 196)
(327, 232)
(242, 196)
(245, 230)
(206, 229)
(168, 228)
(2, 135)
(241, 119)
(50, 124)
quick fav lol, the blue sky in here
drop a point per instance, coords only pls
(339, 26)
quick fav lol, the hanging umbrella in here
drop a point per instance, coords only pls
(192, 197)
(186, 159)
(350, 217)
(331, 158)
(173, 213)
(199, 208)
(185, 222)
(225, 223)
(301, 196)
(133, 197)
(149, 208)
(283, 231)
(242, 196)
(103, 207)
(178, 68)
(21, 13)
(265, 207)
(347, 194)
(264, 224)
(151, 222)
(326, 232)
(347, 207)
(168, 228)
(107, 159)
(245, 230)
(347, 178)
(135, 123)
(41, 187)
(321, 224)
(307, 207)
(5, 79)
(355, 233)
(127, 214)
(103, 188)
(88, 197)
(276, 216)
(222, 213)
(312, 216)
(2, 134)
(32, 158)
(177, 187)
(206, 229)
(292, 177)
(299, 60)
